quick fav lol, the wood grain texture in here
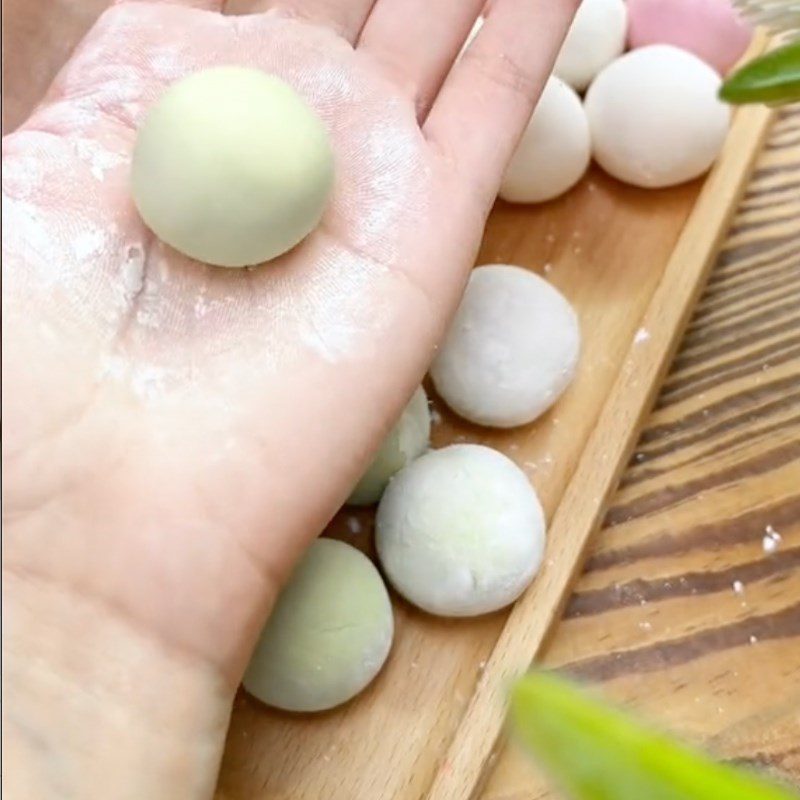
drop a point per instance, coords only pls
(606, 246)
(681, 612)
(607, 448)
(427, 726)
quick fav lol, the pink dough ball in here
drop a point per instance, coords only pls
(711, 29)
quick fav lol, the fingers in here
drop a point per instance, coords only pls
(345, 17)
(417, 41)
(488, 97)
(207, 5)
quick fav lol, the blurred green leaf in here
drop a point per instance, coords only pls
(771, 78)
(598, 753)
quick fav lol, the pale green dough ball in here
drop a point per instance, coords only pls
(407, 440)
(232, 167)
(460, 531)
(329, 634)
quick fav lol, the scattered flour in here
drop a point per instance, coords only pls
(772, 540)
(642, 335)
(97, 157)
(88, 244)
(133, 270)
(354, 525)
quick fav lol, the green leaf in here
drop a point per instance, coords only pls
(598, 753)
(771, 78)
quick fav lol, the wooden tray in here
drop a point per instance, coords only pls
(632, 262)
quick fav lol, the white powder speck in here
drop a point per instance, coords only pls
(167, 65)
(145, 381)
(133, 270)
(88, 244)
(148, 382)
(646, 626)
(639, 457)
(738, 587)
(98, 158)
(642, 335)
(548, 268)
(436, 417)
(200, 307)
(149, 318)
(354, 525)
(771, 540)
(753, 639)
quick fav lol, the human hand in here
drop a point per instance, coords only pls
(176, 434)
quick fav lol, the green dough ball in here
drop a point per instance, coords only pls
(407, 440)
(231, 167)
(329, 634)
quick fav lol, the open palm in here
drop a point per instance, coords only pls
(177, 433)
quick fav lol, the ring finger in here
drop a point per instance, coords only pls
(417, 41)
(345, 17)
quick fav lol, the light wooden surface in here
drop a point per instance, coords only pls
(652, 618)
(427, 726)
(680, 612)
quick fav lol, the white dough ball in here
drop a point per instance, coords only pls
(406, 441)
(655, 117)
(511, 351)
(460, 531)
(231, 167)
(554, 151)
(329, 633)
(596, 37)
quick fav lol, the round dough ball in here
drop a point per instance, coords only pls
(655, 117)
(329, 634)
(554, 151)
(460, 531)
(596, 37)
(231, 167)
(511, 351)
(711, 29)
(406, 441)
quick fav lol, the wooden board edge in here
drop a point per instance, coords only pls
(607, 452)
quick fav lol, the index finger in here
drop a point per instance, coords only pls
(491, 91)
